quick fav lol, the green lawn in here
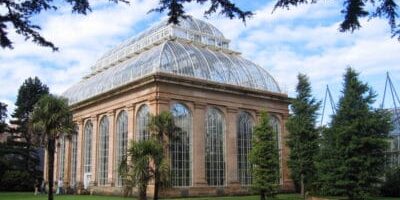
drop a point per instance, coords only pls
(30, 196)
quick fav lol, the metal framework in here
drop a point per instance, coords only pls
(215, 147)
(276, 126)
(393, 153)
(245, 125)
(103, 151)
(332, 104)
(142, 121)
(122, 141)
(74, 157)
(61, 160)
(88, 132)
(192, 49)
(181, 147)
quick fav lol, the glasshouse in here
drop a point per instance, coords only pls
(215, 95)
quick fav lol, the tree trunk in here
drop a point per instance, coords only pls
(50, 164)
(156, 185)
(262, 196)
(142, 193)
(303, 194)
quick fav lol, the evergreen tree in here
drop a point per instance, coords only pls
(3, 116)
(356, 142)
(264, 156)
(303, 138)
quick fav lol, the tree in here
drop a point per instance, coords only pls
(19, 14)
(3, 116)
(358, 135)
(29, 94)
(51, 117)
(139, 171)
(162, 127)
(303, 138)
(264, 156)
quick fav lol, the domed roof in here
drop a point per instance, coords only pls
(193, 48)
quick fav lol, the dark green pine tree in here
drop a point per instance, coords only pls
(264, 157)
(303, 138)
(28, 95)
(358, 140)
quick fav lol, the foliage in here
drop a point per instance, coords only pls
(3, 116)
(139, 170)
(16, 180)
(264, 156)
(352, 155)
(19, 14)
(50, 118)
(391, 185)
(303, 137)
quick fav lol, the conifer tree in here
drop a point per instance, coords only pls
(355, 143)
(264, 157)
(303, 137)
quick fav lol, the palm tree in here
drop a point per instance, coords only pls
(140, 171)
(51, 117)
(162, 128)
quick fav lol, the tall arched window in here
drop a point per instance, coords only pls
(215, 147)
(122, 140)
(103, 151)
(74, 146)
(88, 147)
(276, 126)
(180, 147)
(61, 160)
(142, 120)
(244, 136)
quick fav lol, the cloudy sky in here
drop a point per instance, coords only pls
(287, 42)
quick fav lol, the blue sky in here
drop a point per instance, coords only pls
(287, 42)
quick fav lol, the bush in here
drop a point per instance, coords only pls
(391, 185)
(15, 180)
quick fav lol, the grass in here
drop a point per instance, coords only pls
(30, 196)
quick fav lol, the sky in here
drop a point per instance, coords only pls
(304, 39)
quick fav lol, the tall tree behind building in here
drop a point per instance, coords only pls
(356, 142)
(303, 137)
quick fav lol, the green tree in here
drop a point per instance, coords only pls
(3, 116)
(139, 170)
(358, 135)
(162, 127)
(303, 137)
(50, 118)
(264, 156)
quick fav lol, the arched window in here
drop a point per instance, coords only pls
(215, 147)
(103, 151)
(276, 126)
(244, 137)
(122, 140)
(61, 160)
(142, 120)
(180, 147)
(74, 146)
(88, 131)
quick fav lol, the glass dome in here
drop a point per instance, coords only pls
(176, 50)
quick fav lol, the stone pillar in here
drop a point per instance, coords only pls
(231, 147)
(111, 135)
(56, 157)
(79, 157)
(95, 136)
(45, 167)
(199, 179)
(131, 122)
(288, 184)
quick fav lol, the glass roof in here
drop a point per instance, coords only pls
(175, 55)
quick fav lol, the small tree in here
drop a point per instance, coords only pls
(264, 156)
(139, 171)
(303, 138)
(50, 118)
(163, 129)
